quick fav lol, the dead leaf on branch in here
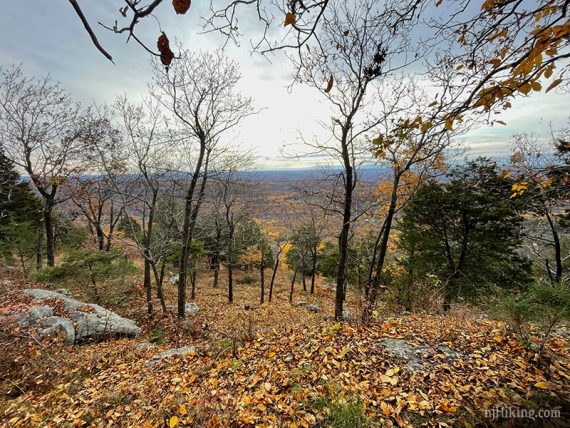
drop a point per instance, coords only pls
(290, 19)
(181, 6)
(166, 55)
(329, 85)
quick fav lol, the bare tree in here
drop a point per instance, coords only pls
(358, 47)
(103, 163)
(232, 192)
(146, 141)
(38, 133)
(200, 91)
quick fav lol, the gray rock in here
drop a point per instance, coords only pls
(185, 350)
(143, 346)
(301, 303)
(414, 355)
(174, 279)
(34, 315)
(91, 321)
(313, 308)
(348, 316)
(402, 350)
(57, 326)
(192, 309)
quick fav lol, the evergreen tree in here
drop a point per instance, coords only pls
(20, 215)
(465, 231)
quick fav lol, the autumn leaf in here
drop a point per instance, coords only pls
(542, 385)
(329, 85)
(163, 45)
(173, 421)
(553, 85)
(448, 125)
(290, 19)
(181, 6)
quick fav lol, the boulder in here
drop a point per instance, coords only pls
(34, 315)
(87, 320)
(313, 308)
(59, 326)
(185, 350)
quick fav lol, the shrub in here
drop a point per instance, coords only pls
(544, 306)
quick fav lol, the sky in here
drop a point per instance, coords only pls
(46, 37)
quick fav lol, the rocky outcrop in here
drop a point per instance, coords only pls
(76, 321)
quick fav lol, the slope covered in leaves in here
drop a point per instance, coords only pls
(283, 376)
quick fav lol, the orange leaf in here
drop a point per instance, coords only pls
(290, 19)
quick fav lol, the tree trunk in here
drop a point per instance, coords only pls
(50, 237)
(262, 281)
(313, 274)
(159, 279)
(273, 278)
(557, 249)
(292, 285)
(147, 283)
(216, 270)
(230, 283)
(100, 236)
(373, 285)
(343, 238)
(188, 229)
(304, 281)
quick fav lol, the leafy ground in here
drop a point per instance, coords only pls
(276, 365)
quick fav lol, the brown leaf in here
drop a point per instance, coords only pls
(181, 6)
(554, 85)
(329, 85)
(166, 55)
(290, 19)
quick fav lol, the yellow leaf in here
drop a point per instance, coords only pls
(542, 385)
(448, 125)
(290, 18)
(554, 85)
(173, 421)
(182, 410)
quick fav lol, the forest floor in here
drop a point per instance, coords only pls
(278, 364)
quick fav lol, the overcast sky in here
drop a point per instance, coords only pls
(46, 37)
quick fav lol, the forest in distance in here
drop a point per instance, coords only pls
(155, 272)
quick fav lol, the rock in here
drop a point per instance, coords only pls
(57, 326)
(301, 303)
(34, 315)
(174, 279)
(348, 316)
(402, 350)
(89, 321)
(191, 309)
(313, 308)
(143, 346)
(415, 355)
(64, 291)
(185, 350)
